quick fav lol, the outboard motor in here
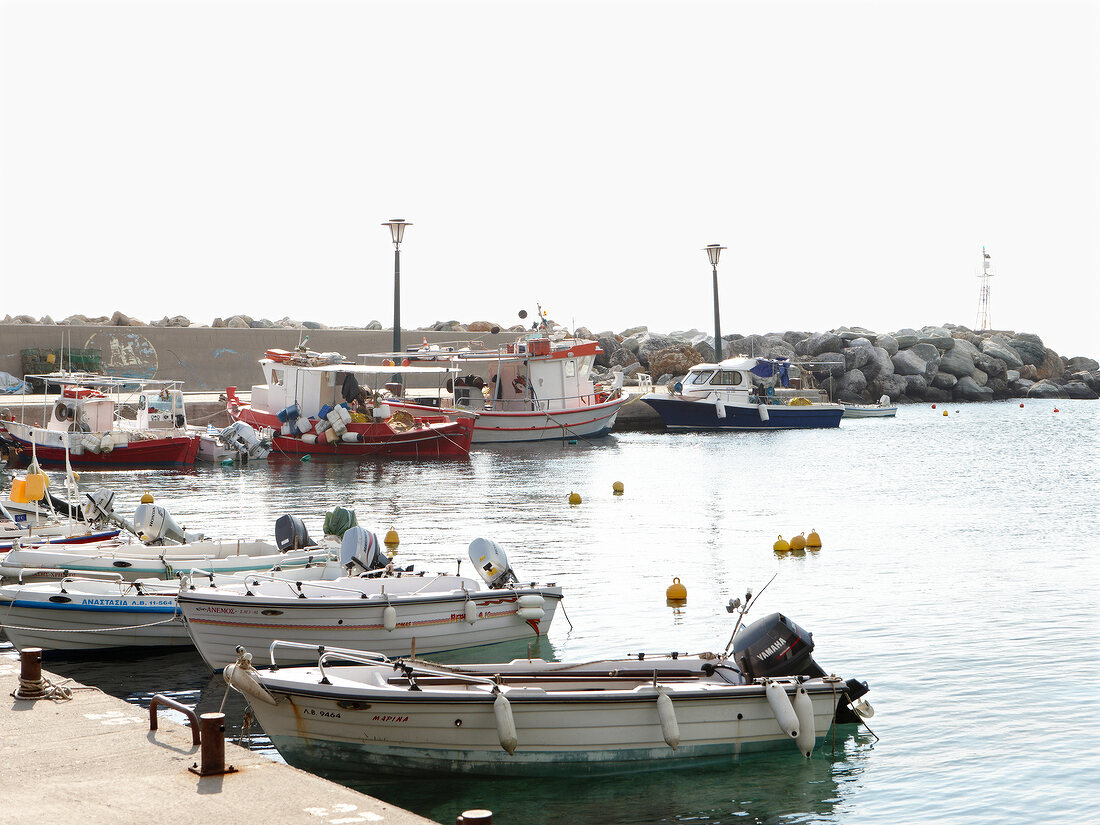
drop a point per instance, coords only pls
(776, 646)
(492, 563)
(361, 547)
(100, 509)
(156, 526)
(291, 533)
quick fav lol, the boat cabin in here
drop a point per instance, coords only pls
(736, 378)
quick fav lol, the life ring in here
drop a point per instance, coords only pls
(519, 383)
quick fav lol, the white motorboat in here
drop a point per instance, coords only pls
(740, 394)
(79, 614)
(26, 520)
(883, 409)
(532, 717)
(392, 614)
(237, 442)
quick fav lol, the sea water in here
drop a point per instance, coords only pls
(958, 577)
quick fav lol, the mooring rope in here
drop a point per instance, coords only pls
(91, 630)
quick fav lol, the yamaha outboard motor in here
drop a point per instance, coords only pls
(492, 563)
(291, 534)
(776, 646)
(155, 525)
(360, 547)
(100, 509)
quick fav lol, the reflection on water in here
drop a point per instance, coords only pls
(958, 563)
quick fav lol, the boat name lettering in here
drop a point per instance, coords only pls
(770, 649)
(123, 603)
(220, 609)
(390, 719)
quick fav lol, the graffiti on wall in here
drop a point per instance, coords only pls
(125, 353)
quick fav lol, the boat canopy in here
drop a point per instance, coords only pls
(88, 379)
(371, 369)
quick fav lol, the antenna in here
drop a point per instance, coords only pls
(984, 321)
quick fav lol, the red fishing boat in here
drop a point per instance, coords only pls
(315, 404)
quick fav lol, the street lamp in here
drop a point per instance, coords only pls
(397, 231)
(713, 251)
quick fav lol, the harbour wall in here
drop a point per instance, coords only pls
(205, 358)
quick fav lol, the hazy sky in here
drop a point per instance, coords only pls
(210, 158)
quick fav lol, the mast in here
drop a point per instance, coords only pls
(984, 321)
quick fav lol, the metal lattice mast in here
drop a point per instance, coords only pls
(984, 321)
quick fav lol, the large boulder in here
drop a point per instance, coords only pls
(817, 344)
(944, 381)
(860, 342)
(957, 362)
(626, 333)
(262, 323)
(1079, 389)
(907, 362)
(674, 360)
(650, 343)
(792, 337)
(888, 343)
(237, 322)
(964, 334)
(1089, 379)
(906, 337)
(857, 357)
(705, 348)
(1045, 389)
(1051, 367)
(878, 364)
(608, 344)
(315, 325)
(481, 326)
(850, 386)
(892, 385)
(1029, 348)
(828, 364)
(993, 367)
(1080, 363)
(938, 337)
(931, 357)
(997, 346)
(621, 358)
(373, 326)
(968, 390)
(121, 319)
(936, 395)
(916, 386)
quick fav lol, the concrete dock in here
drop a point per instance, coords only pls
(92, 759)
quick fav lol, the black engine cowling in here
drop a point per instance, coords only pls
(291, 534)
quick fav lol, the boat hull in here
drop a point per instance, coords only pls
(326, 726)
(684, 414)
(435, 439)
(219, 622)
(79, 538)
(511, 427)
(158, 452)
(859, 411)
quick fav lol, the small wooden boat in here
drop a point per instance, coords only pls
(532, 717)
(390, 613)
(883, 409)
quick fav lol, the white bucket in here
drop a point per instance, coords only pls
(304, 425)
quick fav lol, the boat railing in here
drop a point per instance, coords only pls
(365, 657)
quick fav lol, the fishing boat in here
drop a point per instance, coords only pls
(314, 403)
(883, 409)
(32, 514)
(740, 394)
(380, 610)
(538, 388)
(85, 423)
(530, 717)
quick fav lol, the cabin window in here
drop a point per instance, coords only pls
(570, 368)
(702, 377)
(586, 366)
(727, 378)
(277, 377)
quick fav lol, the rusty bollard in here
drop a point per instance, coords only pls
(31, 683)
(475, 817)
(212, 753)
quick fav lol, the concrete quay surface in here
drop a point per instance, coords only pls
(93, 760)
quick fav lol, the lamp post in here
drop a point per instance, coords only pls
(713, 251)
(397, 231)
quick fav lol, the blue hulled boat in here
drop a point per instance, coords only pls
(739, 394)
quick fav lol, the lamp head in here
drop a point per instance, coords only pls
(397, 229)
(713, 251)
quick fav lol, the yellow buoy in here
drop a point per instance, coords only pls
(574, 498)
(147, 498)
(781, 545)
(617, 488)
(813, 540)
(392, 539)
(945, 412)
(799, 542)
(676, 592)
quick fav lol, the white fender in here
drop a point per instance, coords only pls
(350, 437)
(309, 438)
(244, 681)
(804, 710)
(506, 725)
(304, 425)
(471, 612)
(669, 726)
(763, 410)
(531, 600)
(529, 614)
(389, 617)
(107, 443)
(781, 707)
(720, 407)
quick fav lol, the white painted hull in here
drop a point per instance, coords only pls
(135, 561)
(869, 411)
(583, 422)
(220, 619)
(89, 621)
(366, 716)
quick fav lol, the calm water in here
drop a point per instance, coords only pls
(958, 577)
